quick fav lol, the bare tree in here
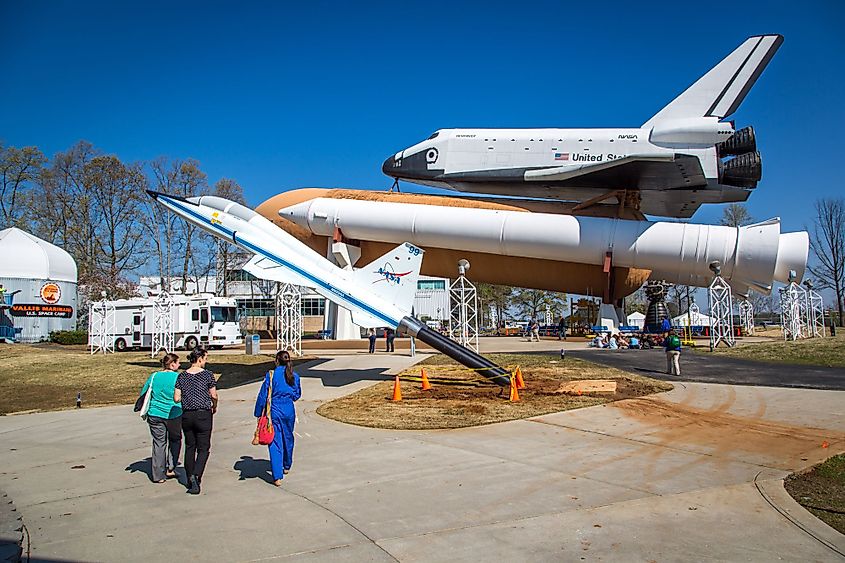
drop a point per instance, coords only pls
(735, 215)
(828, 244)
(116, 190)
(190, 181)
(496, 296)
(18, 168)
(530, 302)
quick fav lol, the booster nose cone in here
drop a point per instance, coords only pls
(297, 213)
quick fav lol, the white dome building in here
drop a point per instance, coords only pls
(43, 279)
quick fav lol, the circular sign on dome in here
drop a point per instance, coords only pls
(51, 293)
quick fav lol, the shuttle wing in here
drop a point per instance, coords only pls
(633, 172)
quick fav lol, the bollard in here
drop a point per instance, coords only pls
(562, 353)
(79, 400)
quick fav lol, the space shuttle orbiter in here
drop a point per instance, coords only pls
(684, 156)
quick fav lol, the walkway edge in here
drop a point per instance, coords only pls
(774, 492)
(11, 530)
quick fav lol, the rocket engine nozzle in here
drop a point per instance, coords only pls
(741, 142)
(744, 171)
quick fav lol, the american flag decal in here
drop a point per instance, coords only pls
(561, 156)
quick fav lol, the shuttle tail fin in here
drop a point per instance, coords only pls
(719, 92)
(393, 277)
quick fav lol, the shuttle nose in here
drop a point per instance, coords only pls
(391, 166)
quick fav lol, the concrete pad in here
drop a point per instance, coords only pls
(667, 478)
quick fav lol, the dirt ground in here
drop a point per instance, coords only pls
(49, 376)
(821, 490)
(460, 398)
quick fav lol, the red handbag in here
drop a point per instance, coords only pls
(265, 421)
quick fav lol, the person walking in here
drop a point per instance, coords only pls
(390, 335)
(283, 388)
(197, 391)
(2, 294)
(165, 419)
(561, 328)
(371, 335)
(535, 331)
(672, 344)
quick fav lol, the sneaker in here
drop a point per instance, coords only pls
(194, 485)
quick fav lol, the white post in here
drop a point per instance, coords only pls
(162, 324)
(463, 320)
(289, 319)
(721, 309)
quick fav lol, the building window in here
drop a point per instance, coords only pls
(431, 284)
(239, 275)
(313, 307)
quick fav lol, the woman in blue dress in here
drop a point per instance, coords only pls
(285, 390)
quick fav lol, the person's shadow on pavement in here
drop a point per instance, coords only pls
(144, 466)
(252, 468)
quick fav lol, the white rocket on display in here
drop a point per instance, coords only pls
(752, 257)
(379, 294)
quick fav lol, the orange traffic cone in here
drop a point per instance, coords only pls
(397, 390)
(425, 384)
(514, 393)
(520, 383)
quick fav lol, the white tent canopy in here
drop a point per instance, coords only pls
(635, 319)
(695, 319)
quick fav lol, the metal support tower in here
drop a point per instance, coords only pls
(101, 326)
(547, 318)
(721, 309)
(815, 312)
(793, 303)
(162, 324)
(463, 319)
(746, 316)
(289, 318)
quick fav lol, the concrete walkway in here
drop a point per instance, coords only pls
(693, 474)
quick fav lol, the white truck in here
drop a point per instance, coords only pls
(201, 319)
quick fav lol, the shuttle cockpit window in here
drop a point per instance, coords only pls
(433, 135)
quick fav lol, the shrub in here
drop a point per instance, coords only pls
(69, 337)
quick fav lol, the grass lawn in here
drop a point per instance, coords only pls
(48, 376)
(821, 490)
(826, 352)
(461, 398)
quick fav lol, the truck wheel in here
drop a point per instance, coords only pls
(191, 343)
(120, 345)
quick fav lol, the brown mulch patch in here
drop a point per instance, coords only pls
(461, 398)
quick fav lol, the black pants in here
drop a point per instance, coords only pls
(389, 344)
(197, 428)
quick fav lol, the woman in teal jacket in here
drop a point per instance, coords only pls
(286, 390)
(165, 419)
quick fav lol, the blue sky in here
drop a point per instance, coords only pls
(286, 95)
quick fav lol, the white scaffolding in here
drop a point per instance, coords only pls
(463, 303)
(721, 310)
(547, 318)
(815, 312)
(793, 304)
(746, 316)
(289, 318)
(101, 325)
(162, 324)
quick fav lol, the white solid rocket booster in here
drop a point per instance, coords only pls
(753, 256)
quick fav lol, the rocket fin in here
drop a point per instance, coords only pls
(393, 277)
(719, 92)
(266, 269)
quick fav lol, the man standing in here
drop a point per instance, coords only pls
(672, 343)
(389, 335)
(2, 294)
